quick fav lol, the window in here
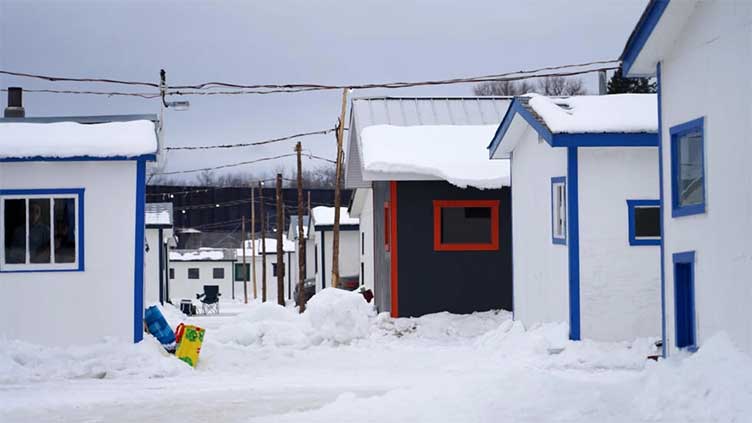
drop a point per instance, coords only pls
(274, 269)
(362, 274)
(193, 273)
(466, 225)
(644, 222)
(387, 226)
(41, 230)
(239, 272)
(687, 168)
(315, 259)
(218, 273)
(172, 273)
(559, 210)
(362, 243)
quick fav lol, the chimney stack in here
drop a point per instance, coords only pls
(15, 103)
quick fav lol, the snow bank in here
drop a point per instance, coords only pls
(71, 139)
(454, 153)
(267, 325)
(620, 113)
(22, 362)
(338, 316)
(442, 326)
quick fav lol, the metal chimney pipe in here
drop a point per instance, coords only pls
(15, 103)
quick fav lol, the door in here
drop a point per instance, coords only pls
(684, 299)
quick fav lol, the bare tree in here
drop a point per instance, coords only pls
(560, 86)
(503, 88)
(550, 85)
(206, 179)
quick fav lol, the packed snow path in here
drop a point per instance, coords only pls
(264, 363)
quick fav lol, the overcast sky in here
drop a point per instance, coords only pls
(279, 41)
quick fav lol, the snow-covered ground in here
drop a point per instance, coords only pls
(339, 362)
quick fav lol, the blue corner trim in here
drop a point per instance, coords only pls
(138, 265)
(145, 157)
(641, 33)
(557, 180)
(676, 132)
(573, 222)
(79, 192)
(662, 211)
(631, 205)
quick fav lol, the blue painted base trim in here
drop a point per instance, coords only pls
(138, 265)
(574, 244)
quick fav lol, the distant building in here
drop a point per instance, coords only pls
(272, 267)
(321, 233)
(435, 212)
(159, 232)
(190, 270)
(72, 225)
(585, 226)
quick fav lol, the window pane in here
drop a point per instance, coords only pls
(15, 231)
(218, 273)
(172, 273)
(65, 230)
(647, 222)
(239, 272)
(691, 187)
(193, 273)
(466, 225)
(39, 230)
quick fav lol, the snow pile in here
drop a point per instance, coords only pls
(618, 113)
(338, 316)
(454, 153)
(442, 326)
(714, 384)
(22, 362)
(267, 325)
(325, 216)
(72, 139)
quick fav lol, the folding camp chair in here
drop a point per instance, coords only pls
(210, 299)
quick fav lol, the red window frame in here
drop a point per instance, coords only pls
(387, 226)
(491, 246)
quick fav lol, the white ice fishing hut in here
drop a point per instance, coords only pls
(585, 226)
(72, 225)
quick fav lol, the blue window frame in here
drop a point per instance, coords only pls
(41, 230)
(559, 210)
(684, 300)
(688, 168)
(644, 218)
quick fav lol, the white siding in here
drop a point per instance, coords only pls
(366, 230)
(183, 288)
(65, 308)
(619, 283)
(707, 75)
(151, 267)
(541, 292)
(349, 258)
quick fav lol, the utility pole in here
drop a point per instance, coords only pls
(301, 241)
(263, 241)
(337, 194)
(280, 251)
(253, 240)
(245, 269)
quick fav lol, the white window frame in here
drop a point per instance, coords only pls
(559, 210)
(42, 267)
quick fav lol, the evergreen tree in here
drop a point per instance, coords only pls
(620, 85)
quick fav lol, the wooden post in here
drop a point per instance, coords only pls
(263, 241)
(253, 240)
(301, 241)
(245, 269)
(337, 194)
(280, 250)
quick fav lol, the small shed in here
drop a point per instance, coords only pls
(190, 270)
(321, 227)
(585, 210)
(272, 267)
(72, 227)
(307, 252)
(159, 231)
(435, 212)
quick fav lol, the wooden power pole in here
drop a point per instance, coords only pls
(301, 240)
(337, 193)
(245, 269)
(280, 250)
(263, 241)
(253, 240)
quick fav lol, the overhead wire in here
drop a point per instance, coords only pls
(250, 144)
(228, 165)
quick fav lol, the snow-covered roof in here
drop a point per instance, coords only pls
(424, 138)
(158, 214)
(587, 114)
(271, 246)
(293, 232)
(456, 154)
(324, 216)
(22, 139)
(203, 254)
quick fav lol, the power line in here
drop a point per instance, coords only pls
(101, 93)
(70, 79)
(224, 166)
(250, 144)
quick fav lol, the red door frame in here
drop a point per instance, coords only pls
(393, 247)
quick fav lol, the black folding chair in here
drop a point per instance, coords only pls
(210, 299)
